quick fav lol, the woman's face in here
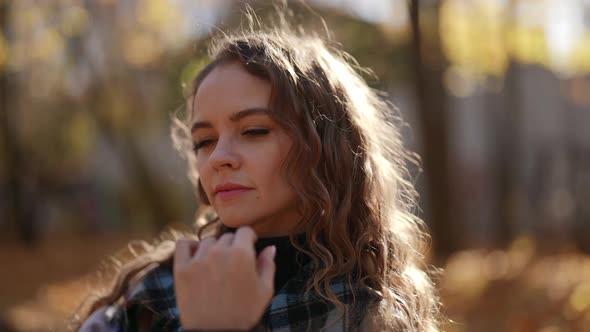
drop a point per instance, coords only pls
(239, 152)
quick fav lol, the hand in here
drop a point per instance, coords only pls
(223, 285)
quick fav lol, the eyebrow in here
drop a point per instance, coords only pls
(233, 118)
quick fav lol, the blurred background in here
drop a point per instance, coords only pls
(496, 94)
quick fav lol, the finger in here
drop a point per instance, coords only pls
(245, 238)
(204, 247)
(226, 240)
(183, 251)
(266, 266)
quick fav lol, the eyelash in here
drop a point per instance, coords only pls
(203, 143)
(249, 132)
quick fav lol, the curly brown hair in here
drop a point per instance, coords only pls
(346, 166)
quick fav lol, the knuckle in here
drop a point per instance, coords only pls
(226, 236)
(246, 230)
(241, 253)
(215, 252)
(197, 268)
(207, 241)
(183, 273)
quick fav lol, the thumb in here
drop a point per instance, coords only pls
(266, 266)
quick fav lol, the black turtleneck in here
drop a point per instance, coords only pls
(288, 259)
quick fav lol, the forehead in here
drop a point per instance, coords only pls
(229, 88)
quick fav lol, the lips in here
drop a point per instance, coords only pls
(230, 190)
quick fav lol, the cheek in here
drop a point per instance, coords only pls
(273, 174)
(204, 175)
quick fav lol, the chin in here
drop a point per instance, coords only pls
(235, 221)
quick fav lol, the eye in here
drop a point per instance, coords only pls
(201, 144)
(255, 132)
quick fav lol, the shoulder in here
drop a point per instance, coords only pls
(149, 304)
(155, 291)
(292, 309)
(100, 320)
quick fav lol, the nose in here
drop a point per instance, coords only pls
(224, 155)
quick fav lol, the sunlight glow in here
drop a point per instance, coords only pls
(481, 36)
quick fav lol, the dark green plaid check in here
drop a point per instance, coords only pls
(290, 309)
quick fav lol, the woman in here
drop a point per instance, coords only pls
(300, 167)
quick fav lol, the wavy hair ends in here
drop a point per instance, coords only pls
(346, 166)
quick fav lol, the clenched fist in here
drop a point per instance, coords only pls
(221, 284)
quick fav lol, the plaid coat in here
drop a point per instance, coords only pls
(289, 309)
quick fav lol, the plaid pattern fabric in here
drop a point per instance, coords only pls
(289, 310)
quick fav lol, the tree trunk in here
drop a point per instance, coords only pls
(432, 116)
(19, 213)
